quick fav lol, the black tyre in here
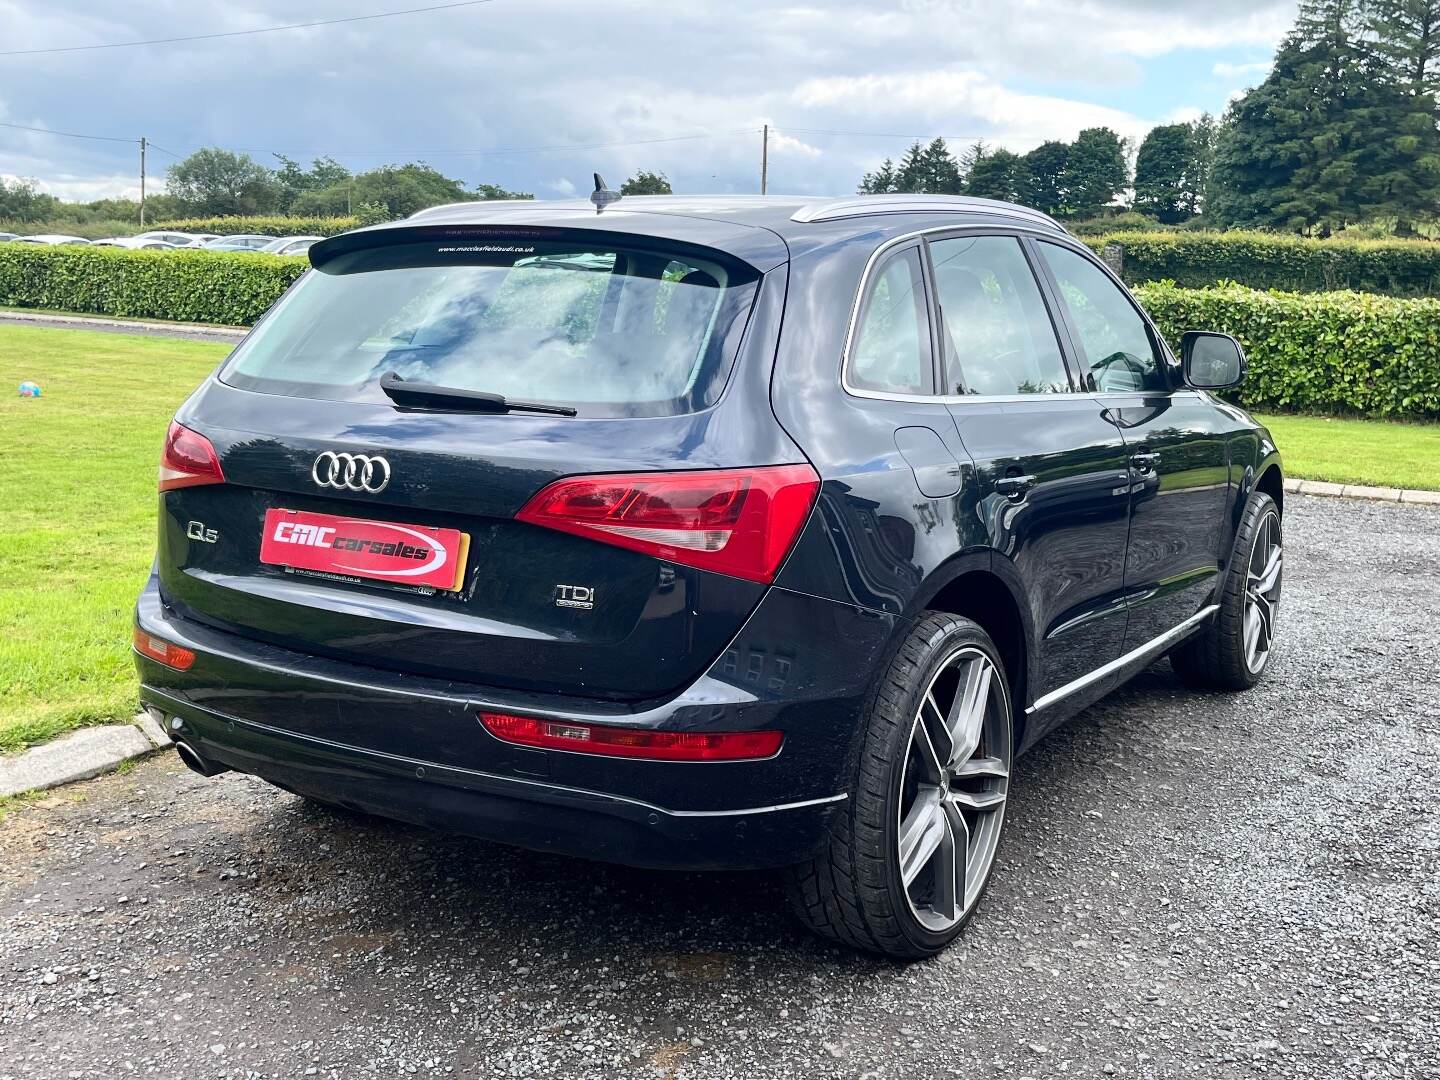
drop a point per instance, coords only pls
(912, 849)
(1233, 650)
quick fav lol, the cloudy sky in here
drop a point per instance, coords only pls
(535, 94)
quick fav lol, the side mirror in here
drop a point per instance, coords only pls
(1211, 361)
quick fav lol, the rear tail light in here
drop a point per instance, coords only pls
(740, 522)
(632, 742)
(188, 460)
(172, 656)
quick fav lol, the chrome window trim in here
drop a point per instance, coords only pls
(924, 235)
(1153, 647)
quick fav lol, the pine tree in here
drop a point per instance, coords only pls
(999, 175)
(1046, 168)
(1407, 37)
(971, 156)
(941, 174)
(880, 182)
(1333, 135)
(910, 176)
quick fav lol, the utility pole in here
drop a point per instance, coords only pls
(142, 183)
(764, 159)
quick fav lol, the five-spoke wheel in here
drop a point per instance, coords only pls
(952, 791)
(1262, 591)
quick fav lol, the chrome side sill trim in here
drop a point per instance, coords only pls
(1151, 648)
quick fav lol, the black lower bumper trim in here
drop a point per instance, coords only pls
(524, 813)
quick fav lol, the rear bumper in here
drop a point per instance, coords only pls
(413, 749)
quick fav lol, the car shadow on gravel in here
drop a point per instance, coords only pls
(363, 880)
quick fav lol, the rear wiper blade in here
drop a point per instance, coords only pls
(419, 395)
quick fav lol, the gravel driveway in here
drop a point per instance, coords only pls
(1216, 886)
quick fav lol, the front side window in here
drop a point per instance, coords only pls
(1120, 354)
(891, 352)
(999, 338)
(608, 329)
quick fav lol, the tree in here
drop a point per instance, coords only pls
(880, 182)
(1094, 171)
(1164, 169)
(213, 181)
(972, 155)
(1045, 166)
(498, 193)
(999, 175)
(910, 176)
(1332, 136)
(22, 201)
(400, 189)
(1407, 37)
(940, 171)
(295, 181)
(646, 183)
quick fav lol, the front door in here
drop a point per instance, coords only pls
(1178, 457)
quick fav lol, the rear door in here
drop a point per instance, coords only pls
(643, 340)
(1051, 468)
(1178, 455)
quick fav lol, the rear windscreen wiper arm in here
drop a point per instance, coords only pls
(418, 395)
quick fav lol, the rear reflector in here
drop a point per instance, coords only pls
(741, 522)
(172, 656)
(632, 742)
(188, 460)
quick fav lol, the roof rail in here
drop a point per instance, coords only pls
(867, 205)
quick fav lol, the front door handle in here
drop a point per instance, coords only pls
(1014, 487)
(1145, 461)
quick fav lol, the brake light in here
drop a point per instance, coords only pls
(741, 522)
(188, 460)
(172, 656)
(632, 742)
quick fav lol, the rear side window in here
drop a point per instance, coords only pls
(611, 330)
(891, 352)
(1120, 354)
(999, 338)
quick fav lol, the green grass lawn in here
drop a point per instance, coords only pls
(1377, 452)
(77, 499)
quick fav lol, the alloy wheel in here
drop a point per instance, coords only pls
(1262, 592)
(953, 789)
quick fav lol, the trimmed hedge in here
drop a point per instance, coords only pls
(1336, 353)
(263, 226)
(1273, 261)
(233, 288)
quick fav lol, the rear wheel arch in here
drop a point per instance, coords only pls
(1272, 483)
(987, 599)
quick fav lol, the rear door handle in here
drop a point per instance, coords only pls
(1145, 460)
(1013, 487)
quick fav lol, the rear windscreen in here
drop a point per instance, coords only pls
(610, 330)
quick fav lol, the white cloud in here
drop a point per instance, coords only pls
(540, 73)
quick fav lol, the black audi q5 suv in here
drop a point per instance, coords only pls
(703, 533)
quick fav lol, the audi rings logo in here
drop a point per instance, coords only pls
(351, 472)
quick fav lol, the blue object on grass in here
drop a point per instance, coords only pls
(29, 389)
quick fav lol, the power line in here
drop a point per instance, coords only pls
(881, 134)
(246, 33)
(68, 134)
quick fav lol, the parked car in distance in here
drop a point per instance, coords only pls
(290, 245)
(200, 240)
(51, 238)
(168, 236)
(241, 242)
(716, 533)
(135, 243)
(7, 236)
